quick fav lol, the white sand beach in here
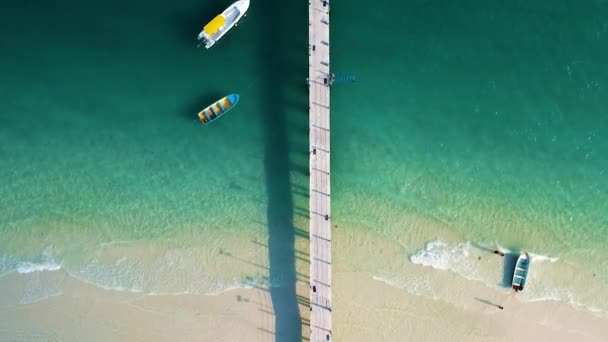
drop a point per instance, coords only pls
(372, 310)
(365, 308)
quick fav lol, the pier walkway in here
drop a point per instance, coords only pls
(319, 81)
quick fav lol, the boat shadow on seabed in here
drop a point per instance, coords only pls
(509, 262)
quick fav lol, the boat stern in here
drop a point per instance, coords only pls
(202, 117)
(204, 39)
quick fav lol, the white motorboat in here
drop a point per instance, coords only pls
(222, 23)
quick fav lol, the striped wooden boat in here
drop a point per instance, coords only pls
(218, 108)
(521, 271)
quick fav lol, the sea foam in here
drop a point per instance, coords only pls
(458, 257)
(440, 255)
(31, 267)
(463, 259)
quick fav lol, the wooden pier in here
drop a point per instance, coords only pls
(319, 81)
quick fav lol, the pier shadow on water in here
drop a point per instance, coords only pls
(281, 53)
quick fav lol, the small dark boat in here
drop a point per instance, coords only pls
(521, 271)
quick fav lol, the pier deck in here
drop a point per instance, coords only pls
(319, 81)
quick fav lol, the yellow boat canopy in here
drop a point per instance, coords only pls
(214, 25)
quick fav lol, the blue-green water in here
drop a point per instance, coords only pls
(489, 117)
(482, 107)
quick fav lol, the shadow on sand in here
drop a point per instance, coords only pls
(485, 301)
(281, 65)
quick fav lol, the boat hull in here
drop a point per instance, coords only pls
(218, 109)
(521, 271)
(221, 24)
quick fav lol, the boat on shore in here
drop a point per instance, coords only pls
(222, 23)
(218, 108)
(521, 271)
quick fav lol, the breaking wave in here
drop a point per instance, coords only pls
(549, 278)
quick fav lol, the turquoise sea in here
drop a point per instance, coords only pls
(486, 116)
